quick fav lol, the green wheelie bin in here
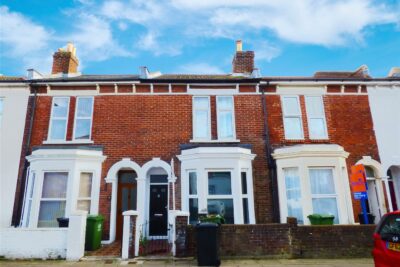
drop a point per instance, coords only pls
(94, 230)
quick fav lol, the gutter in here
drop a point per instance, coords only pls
(272, 173)
(18, 209)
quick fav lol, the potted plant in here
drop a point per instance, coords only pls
(321, 219)
(213, 218)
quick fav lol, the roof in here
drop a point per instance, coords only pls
(361, 72)
(199, 76)
(11, 78)
(90, 78)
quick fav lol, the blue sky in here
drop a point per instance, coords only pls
(290, 38)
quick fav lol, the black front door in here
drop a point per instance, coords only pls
(158, 210)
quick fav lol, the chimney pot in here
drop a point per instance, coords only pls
(239, 46)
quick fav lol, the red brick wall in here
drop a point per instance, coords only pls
(290, 241)
(349, 124)
(64, 62)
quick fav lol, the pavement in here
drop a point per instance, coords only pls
(190, 262)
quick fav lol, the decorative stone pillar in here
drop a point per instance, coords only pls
(76, 235)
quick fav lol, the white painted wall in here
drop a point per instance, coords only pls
(46, 243)
(42, 243)
(15, 101)
(384, 102)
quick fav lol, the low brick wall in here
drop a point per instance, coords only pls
(340, 241)
(290, 241)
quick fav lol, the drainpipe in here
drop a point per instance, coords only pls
(270, 160)
(22, 178)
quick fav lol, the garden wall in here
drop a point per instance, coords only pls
(290, 241)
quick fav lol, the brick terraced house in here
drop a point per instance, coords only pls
(158, 148)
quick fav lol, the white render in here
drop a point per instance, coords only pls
(15, 101)
(73, 161)
(46, 243)
(324, 156)
(205, 159)
(384, 100)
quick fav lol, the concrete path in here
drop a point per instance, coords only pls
(225, 263)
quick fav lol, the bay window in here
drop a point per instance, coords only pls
(53, 199)
(245, 197)
(293, 194)
(59, 118)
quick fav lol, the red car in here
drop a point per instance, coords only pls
(386, 250)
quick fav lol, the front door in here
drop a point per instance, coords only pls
(158, 210)
(127, 197)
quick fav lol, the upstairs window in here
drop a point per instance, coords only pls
(59, 118)
(83, 118)
(201, 118)
(225, 117)
(316, 117)
(292, 117)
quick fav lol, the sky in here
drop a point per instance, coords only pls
(289, 37)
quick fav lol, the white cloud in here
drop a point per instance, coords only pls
(150, 42)
(199, 68)
(94, 40)
(24, 40)
(264, 50)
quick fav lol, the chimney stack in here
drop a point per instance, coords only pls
(243, 61)
(65, 60)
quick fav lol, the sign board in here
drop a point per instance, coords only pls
(358, 181)
(360, 195)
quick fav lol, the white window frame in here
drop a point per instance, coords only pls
(323, 117)
(302, 185)
(40, 198)
(245, 196)
(55, 118)
(208, 138)
(76, 118)
(321, 196)
(286, 115)
(29, 198)
(231, 196)
(91, 191)
(192, 196)
(232, 110)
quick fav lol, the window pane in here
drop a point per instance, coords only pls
(201, 102)
(201, 124)
(293, 129)
(314, 106)
(245, 210)
(223, 207)
(49, 212)
(225, 127)
(85, 187)
(291, 106)
(193, 210)
(317, 128)
(244, 183)
(84, 107)
(192, 183)
(219, 183)
(83, 205)
(58, 128)
(322, 181)
(82, 129)
(293, 194)
(60, 107)
(133, 198)
(127, 177)
(326, 206)
(55, 185)
(225, 102)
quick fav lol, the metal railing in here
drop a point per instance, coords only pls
(150, 244)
